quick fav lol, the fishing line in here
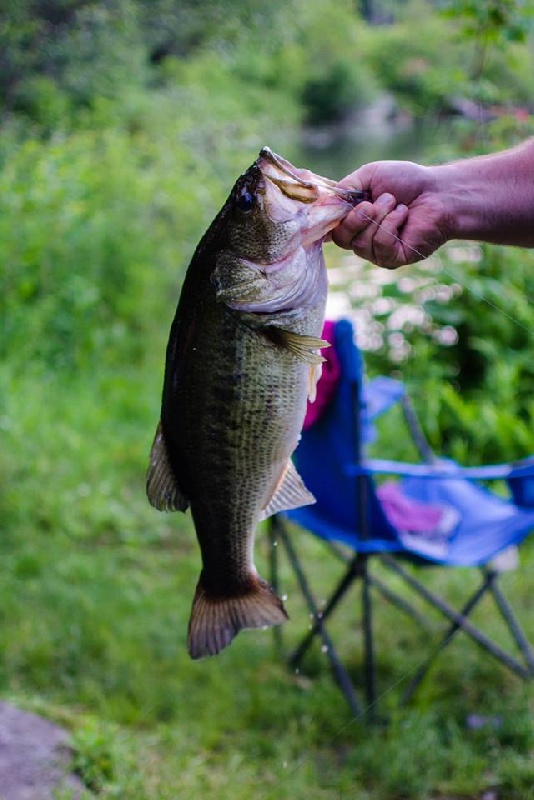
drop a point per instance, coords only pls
(365, 710)
(357, 717)
(427, 659)
(476, 294)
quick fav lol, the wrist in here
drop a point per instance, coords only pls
(462, 200)
(490, 198)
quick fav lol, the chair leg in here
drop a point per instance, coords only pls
(339, 671)
(358, 567)
(513, 626)
(437, 602)
(398, 601)
(418, 436)
(369, 659)
(322, 616)
(275, 583)
(388, 594)
(456, 626)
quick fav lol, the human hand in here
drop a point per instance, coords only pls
(407, 220)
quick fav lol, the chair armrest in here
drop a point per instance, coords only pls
(380, 394)
(521, 482)
(439, 469)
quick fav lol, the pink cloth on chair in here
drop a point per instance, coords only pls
(328, 382)
(407, 514)
(422, 526)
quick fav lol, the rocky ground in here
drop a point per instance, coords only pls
(34, 758)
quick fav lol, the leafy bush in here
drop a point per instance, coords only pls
(463, 343)
(86, 223)
(467, 64)
(335, 92)
(43, 101)
(419, 74)
(337, 79)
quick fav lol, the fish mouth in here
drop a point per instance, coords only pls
(302, 184)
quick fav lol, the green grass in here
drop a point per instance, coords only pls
(95, 593)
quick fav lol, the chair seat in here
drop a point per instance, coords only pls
(489, 523)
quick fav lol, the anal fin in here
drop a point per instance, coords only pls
(162, 488)
(289, 493)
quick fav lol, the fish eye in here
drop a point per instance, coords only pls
(246, 201)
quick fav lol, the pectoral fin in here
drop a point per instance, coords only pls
(289, 493)
(162, 489)
(304, 347)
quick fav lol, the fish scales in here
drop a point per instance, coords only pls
(240, 442)
(242, 359)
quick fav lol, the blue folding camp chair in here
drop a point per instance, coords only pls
(438, 514)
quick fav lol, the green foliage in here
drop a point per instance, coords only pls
(469, 63)
(496, 21)
(85, 219)
(93, 760)
(332, 95)
(98, 224)
(477, 399)
(102, 52)
(90, 50)
(337, 80)
(420, 75)
(82, 49)
(61, 57)
(41, 99)
(494, 30)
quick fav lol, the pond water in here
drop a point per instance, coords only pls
(334, 152)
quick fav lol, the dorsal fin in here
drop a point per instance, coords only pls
(162, 489)
(289, 493)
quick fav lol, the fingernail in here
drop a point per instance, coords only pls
(384, 199)
(402, 208)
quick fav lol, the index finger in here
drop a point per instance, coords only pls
(354, 223)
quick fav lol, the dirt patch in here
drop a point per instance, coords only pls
(34, 759)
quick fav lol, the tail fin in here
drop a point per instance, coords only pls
(215, 621)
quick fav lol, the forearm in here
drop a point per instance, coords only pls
(490, 198)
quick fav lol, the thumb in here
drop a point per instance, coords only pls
(359, 179)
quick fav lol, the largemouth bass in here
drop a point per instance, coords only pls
(243, 357)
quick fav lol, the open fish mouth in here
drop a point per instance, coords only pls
(302, 184)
